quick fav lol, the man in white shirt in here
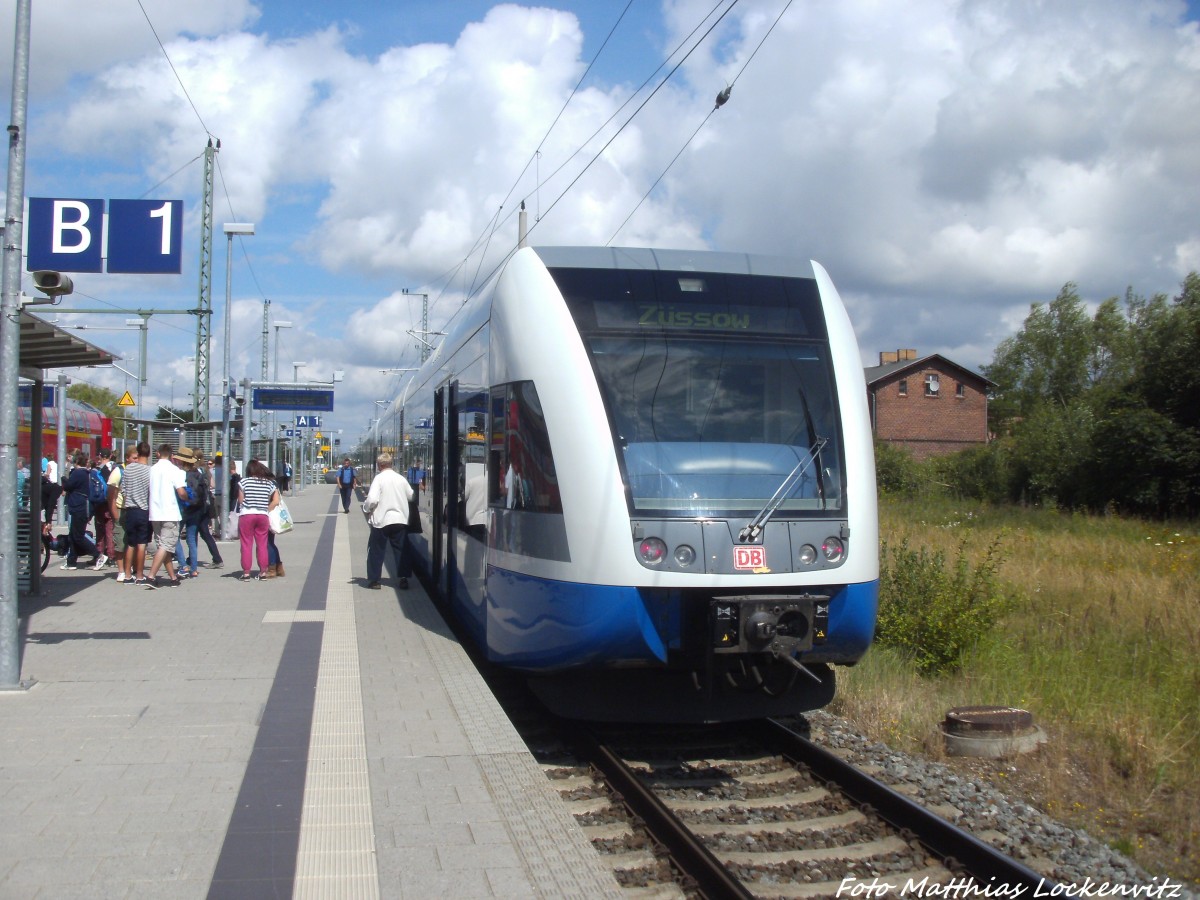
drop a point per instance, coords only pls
(387, 506)
(168, 485)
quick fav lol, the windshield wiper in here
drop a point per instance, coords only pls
(751, 532)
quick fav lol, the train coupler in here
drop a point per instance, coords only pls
(779, 624)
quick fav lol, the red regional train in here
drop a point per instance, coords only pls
(88, 429)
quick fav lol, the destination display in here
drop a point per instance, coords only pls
(308, 399)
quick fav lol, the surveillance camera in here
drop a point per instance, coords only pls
(53, 284)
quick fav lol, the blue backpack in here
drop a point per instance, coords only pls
(97, 487)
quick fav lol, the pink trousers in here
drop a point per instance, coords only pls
(252, 530)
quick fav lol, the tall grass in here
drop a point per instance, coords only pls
(1100, 639)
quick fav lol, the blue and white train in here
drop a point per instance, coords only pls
(649, 481)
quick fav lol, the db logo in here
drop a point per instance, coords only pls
(749, 558)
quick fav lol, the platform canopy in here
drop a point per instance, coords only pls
(46, 346)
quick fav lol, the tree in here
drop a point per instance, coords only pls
(1169, 367)
(1048, 359)
(1111, 355)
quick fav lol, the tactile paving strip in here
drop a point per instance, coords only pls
(337, 836)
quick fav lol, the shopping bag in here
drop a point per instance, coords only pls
(280, 519)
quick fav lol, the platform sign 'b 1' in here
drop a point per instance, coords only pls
(142, 236)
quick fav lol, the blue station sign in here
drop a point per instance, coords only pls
(136, 236)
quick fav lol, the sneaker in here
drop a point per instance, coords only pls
(101, 560)
(216, 565)
(151, 583)
(120, 577)
(172, 582)
(374, 586)
(69, 566)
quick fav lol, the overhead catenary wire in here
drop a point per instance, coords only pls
(495, 222)
(477, 282)
(640, 107)
(483, 241)
(678, 47)
(722, 98)
(575, 90)
(175, 72)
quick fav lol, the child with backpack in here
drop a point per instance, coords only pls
(98, 497)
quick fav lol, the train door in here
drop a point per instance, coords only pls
(437, 559)
(449, 508)
(466, 500)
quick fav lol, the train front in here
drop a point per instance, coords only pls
(713, 454)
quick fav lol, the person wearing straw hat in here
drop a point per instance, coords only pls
(191, 511)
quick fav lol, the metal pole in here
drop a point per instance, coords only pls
(203, 384)
(10, 349)
(60, 451)
(275, 455)
(145, 326)
(246, 411)
(300, 472)
(226, 388)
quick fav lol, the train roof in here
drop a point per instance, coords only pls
(646, 258)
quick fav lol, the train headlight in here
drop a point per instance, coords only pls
(685, 555)
(652, 551)
(807, 555)
(833, 549)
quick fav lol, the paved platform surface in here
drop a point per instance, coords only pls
(301, 736)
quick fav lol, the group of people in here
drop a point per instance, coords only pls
(174, 501)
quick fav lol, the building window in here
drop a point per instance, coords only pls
(933, 384)
(960, 391)
(903, 384)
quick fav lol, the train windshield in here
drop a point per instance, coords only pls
(719, 389)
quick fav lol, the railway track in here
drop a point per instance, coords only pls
(755, 810)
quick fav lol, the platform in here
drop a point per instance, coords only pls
(301, 736)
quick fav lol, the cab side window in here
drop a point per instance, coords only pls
(523, 470)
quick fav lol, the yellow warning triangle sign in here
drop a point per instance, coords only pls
(126, 400)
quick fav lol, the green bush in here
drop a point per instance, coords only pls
(935, 613)
(980, 473)
(896, 472)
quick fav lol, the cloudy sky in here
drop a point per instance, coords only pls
(948, 161)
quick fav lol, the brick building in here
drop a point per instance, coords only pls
(928, 405)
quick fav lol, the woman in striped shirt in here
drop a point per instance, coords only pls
(258, 495)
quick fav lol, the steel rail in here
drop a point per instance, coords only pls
(712, 879)
(944, 839)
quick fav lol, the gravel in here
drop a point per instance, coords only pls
(1061, 853)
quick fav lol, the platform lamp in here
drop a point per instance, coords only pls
(275, 454)
(231, 229)
(301, 465)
